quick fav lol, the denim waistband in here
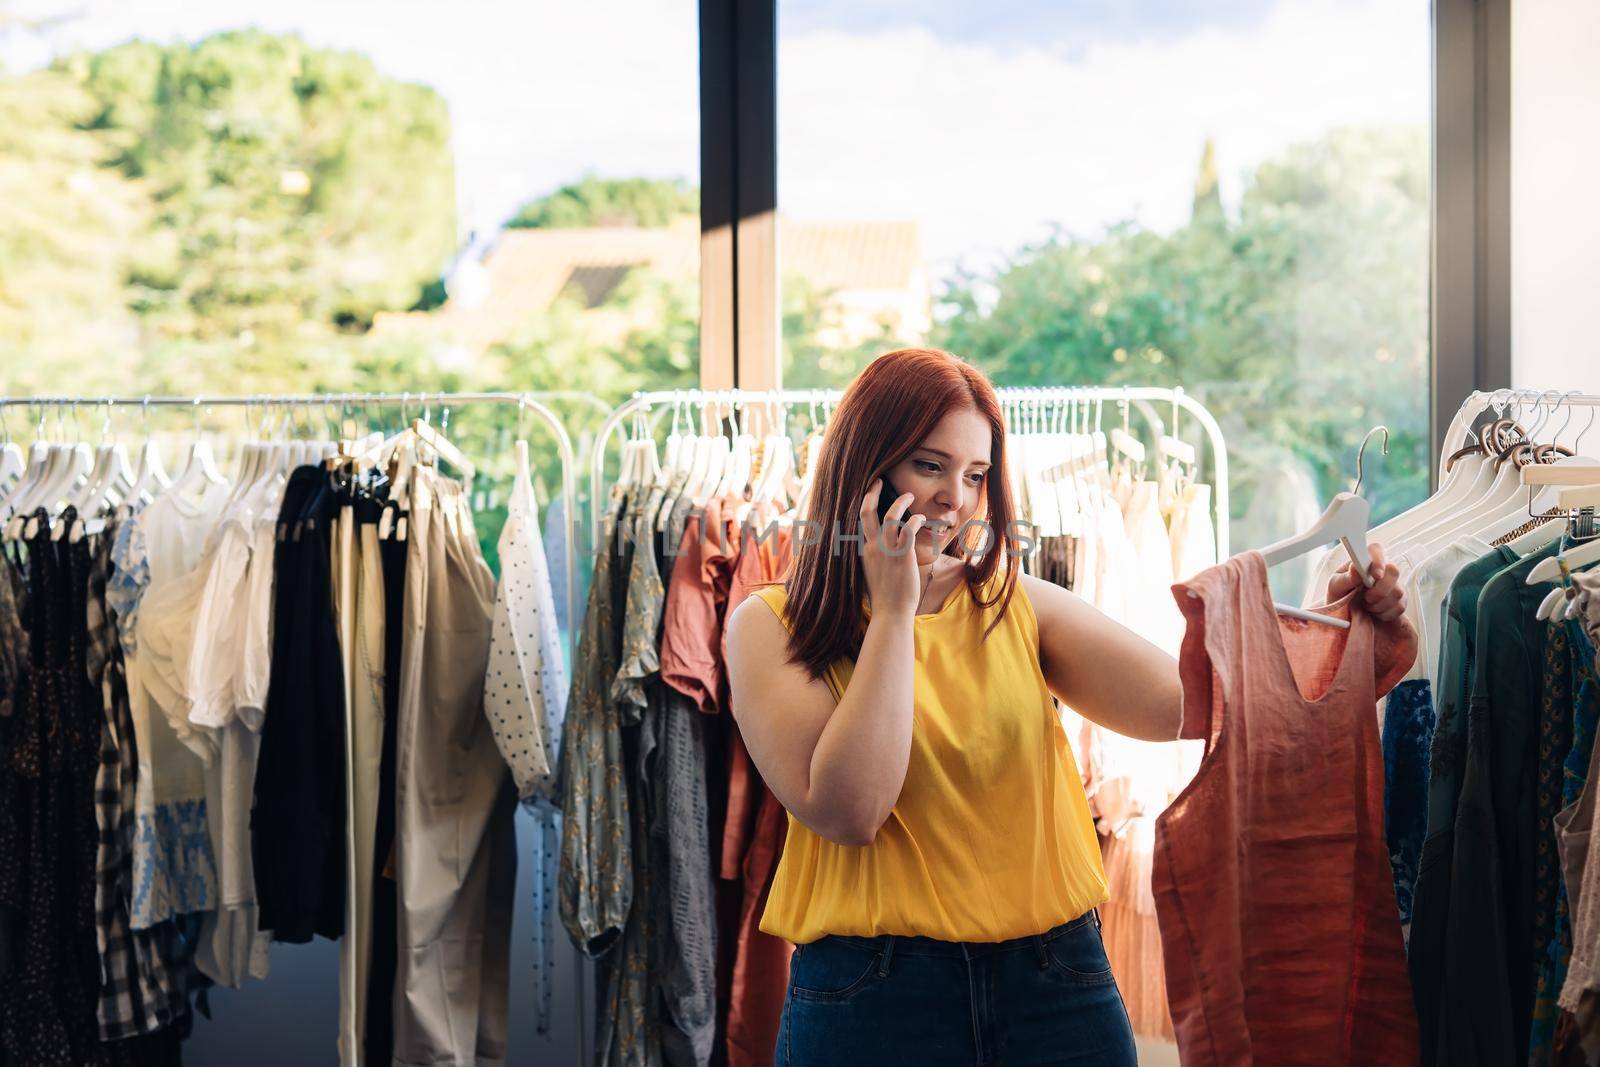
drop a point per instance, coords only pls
(889, 945)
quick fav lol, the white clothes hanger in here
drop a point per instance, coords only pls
(737, 471)
(200, 467)
(150, 476)
(693, 455)
(12, 459)
(1346, 521)
(649, 462)
(40, 458)
(1465, 477)
(74, 462)
(718, 453)
(631, 467)
(1560, 567)
(390, 523)
(13, 467)
(807, 478)
(524, 469)
(1457, 433)
(44, 462)
(1492, 499)
(109, 483)
(778, 461)
(274, 448)
(1052, 506)
(64, 466)
(1512, 514)
(669, 461)
(419, 433)
(44, 458)
(251, 456)
(1583, 482)
(1457, 477)
(674, 469)
(1127, 445)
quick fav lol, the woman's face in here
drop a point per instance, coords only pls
(945, 474)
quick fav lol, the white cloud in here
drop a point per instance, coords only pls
(985, 148)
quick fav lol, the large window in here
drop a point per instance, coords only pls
(1233, 199)
(298, 196)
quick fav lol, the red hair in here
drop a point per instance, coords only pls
(892, 405)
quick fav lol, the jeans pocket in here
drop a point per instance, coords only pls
(1079, 955)
(831, 970)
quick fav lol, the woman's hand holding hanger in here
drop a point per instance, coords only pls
(1384, 600)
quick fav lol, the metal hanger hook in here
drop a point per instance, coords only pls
(1594, 409)
(1362, 451)
(1544, 412)
(1566, 402)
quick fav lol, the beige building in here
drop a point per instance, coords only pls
(871, 276)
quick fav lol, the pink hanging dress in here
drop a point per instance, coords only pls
(1272, 882)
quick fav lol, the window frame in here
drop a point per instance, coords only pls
(1470, 270)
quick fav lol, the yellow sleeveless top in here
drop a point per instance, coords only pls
(991, 838)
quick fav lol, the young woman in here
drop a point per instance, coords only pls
(941, 871)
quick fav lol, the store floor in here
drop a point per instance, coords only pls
(1153, 1053)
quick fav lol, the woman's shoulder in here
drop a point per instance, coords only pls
(776, 596)
(1034, 599)
(776, 600)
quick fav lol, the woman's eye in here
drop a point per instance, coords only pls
(931, 468)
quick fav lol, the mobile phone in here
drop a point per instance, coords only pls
(887, 495)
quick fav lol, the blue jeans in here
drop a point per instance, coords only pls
(1049, 998)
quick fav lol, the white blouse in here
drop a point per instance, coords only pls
(524, 690)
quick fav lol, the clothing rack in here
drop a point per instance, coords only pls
(1016, 398)
(524, 402)
(1556, 399)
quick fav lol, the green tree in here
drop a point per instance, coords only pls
(648, 202)
(67, 223)
(292, 193)
(1301, 325)
(1207, 193)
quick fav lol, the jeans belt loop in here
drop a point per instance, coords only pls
(1039, 950)
(885, 955)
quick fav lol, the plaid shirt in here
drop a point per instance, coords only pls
(145, 973)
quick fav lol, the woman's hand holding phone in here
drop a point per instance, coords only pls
(888, 552)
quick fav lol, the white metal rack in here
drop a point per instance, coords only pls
(1141, 397)
(531, 403)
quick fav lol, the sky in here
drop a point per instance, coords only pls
(987, 124)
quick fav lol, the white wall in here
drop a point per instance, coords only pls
(1555, 194)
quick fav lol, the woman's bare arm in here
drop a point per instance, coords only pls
(837, 767)
(1112, 676)
(1101, 669)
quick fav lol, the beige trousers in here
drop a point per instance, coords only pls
(455, 843)
(358, 592)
